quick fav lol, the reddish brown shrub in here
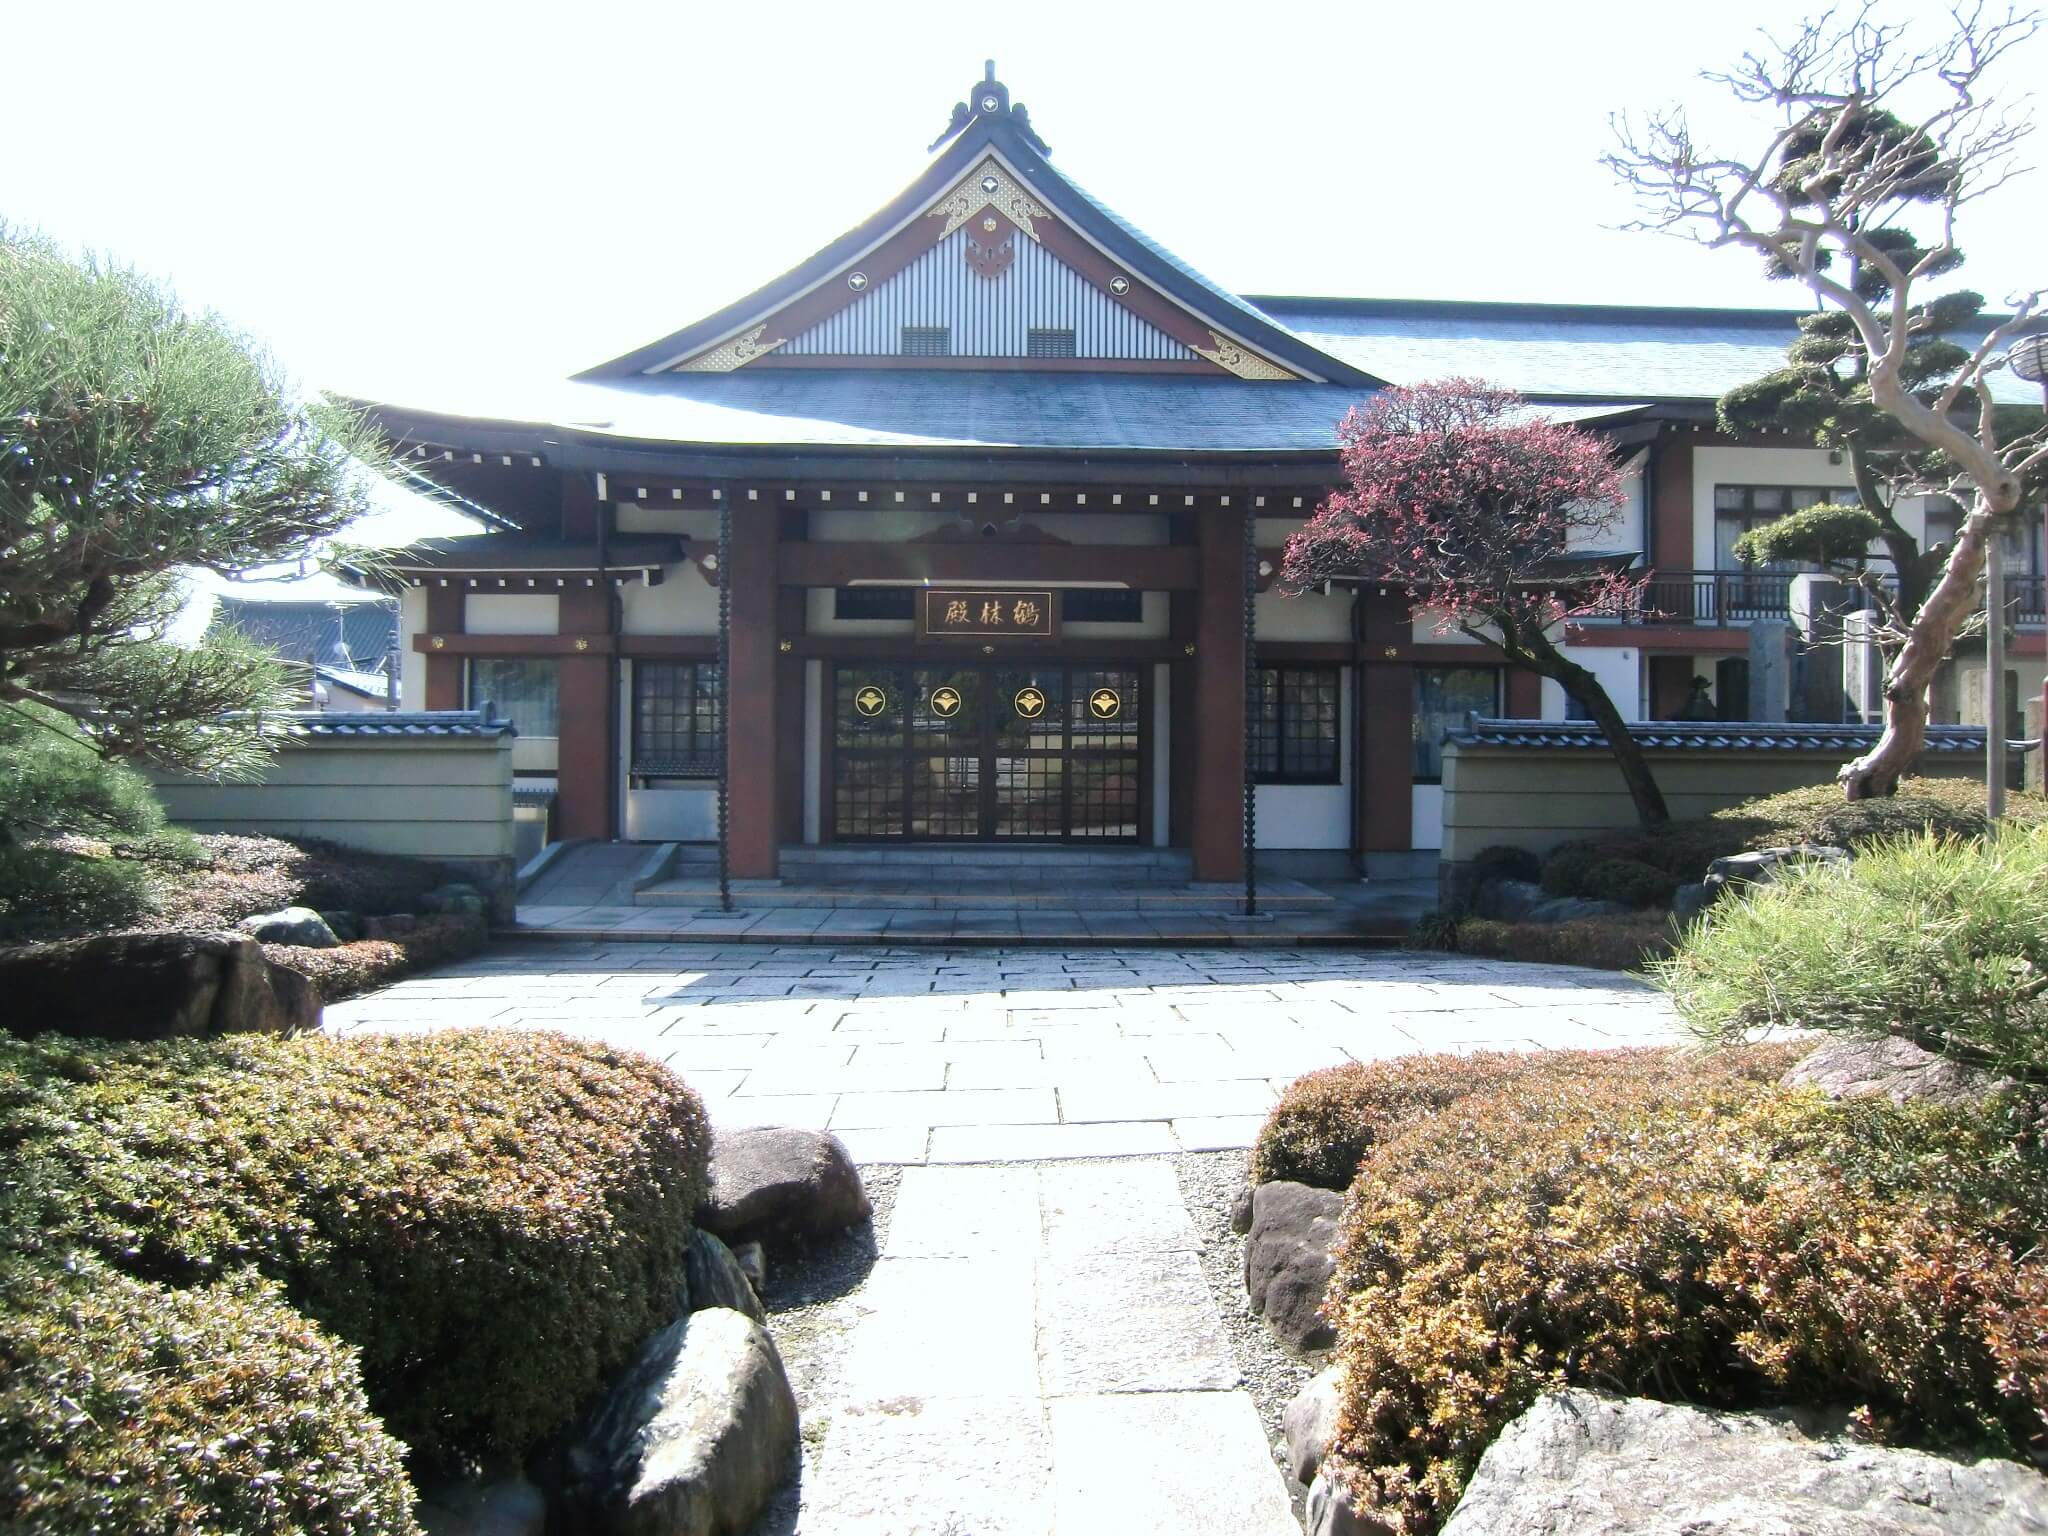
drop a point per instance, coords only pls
(348, 969)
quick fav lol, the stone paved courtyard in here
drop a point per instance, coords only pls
(994, 1055)
(1035, 1348)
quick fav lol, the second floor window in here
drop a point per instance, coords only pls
(518, 688)
(1739, 508)
(675, 719)
(1295, 726)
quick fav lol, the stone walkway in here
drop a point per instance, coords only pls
(1036, 1348)
(993, 1055)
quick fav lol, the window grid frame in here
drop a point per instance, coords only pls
(925, 341)
(693, 718)
(1271, 735)
(1499, 693)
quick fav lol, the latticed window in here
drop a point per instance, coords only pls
(927, 341)
(518, 688)
(675, 719)
(1444, 697)
(1048, 341)
(1295, 720)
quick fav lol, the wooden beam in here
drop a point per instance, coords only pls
(1147, 567)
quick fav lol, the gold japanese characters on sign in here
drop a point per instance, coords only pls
(954, 613)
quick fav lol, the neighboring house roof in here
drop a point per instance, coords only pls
(356, 636)
(368, 685)
(1726, 736)
(1565, 351)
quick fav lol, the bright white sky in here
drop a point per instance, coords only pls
(406, 200)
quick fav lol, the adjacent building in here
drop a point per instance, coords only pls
(960, 533)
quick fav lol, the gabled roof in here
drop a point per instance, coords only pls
(995, 170)
(356, 634)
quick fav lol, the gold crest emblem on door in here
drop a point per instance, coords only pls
(945, 702)
(1105, 704)
(870, 701)
(1029, 703)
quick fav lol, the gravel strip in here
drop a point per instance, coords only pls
(1209, 1184)
(810, 1310)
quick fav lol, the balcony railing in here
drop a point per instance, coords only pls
(1722, 598)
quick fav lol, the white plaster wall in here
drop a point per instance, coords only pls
(512, 613)
(1312, 815)
(1308, 617)
(1272, 531)
(1620, 670)
(1426, 815)
(1626, 530)
(412, 664)
(1750, 466)
(683, 604)
(650, 516)
(1427, 630)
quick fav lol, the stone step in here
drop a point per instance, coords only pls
(899, 895)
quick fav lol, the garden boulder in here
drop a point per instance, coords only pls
(1761, 866)
(153, 986)
(301, 926)
(1288, 1263)
(781, 1187)
(1507, 901)
(1571, 909)
(1582, 1464)
(692, 1439)
(1854, 1066)
(456, 897)
(713, 1277)
(1309, 1422)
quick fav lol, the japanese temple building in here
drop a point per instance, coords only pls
(983, 503)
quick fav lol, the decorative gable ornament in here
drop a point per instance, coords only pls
(986, 255)
(988, 185)
(738, 352)
(1232, 358)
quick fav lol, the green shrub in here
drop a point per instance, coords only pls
(1945, 942)
(131, 1407)
(1505, 863)
(1667, 856)
(1620, 943)
(52, 782)
(1327, 1121)
(1695, 1238)
(241, 876)
(494, 1219)
(1819, 814)
(46, 890)
(1631, 882)
(363, 964)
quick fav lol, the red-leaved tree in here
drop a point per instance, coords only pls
(1472, 505)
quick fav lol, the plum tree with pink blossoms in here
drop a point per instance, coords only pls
(1464, 499)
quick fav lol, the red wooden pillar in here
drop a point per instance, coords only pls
(444, 671)
(752, 719)
(584, 706)
(1218, 737)
(1386, 703)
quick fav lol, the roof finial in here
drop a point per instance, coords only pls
(991, 99)
(988, 71)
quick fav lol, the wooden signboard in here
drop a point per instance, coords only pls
(964, 613)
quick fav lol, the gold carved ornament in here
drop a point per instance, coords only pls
(988, 184)
(1232, 358)
(738, 352)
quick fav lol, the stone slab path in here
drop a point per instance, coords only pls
(1000, 1055)
(1037, 1348)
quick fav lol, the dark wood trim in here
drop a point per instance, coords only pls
(789, 716)
(1385, 766)
(1338, 652)
(670, 647)
(513, 645)
(1219, 744)
(1670, 502)
(585, 761)
(1524, 694)
(1149, 567)
(753, 818)
(1656, 637)
(907, 650)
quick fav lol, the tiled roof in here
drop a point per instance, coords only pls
(515, 552)
(1693, 736)
(417, 723)
(298, 629)
(1552, 350)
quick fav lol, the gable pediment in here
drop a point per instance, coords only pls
(992, 260)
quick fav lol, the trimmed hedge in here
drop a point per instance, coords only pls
(347, 969)
(493, 1219)
(1696, 1237)
(238, 877)
(1951, 807)
(128, 1407)
(1624, 942)
(1327, 1121)
(1945, 942)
